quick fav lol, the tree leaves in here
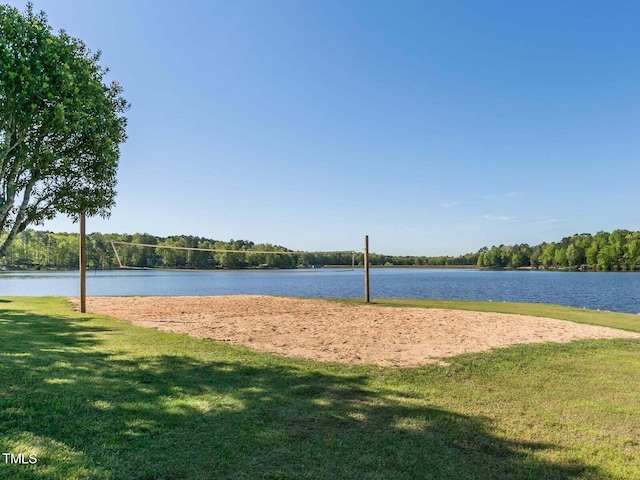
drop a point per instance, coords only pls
(61, 126)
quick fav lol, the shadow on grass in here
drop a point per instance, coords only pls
(90, 412)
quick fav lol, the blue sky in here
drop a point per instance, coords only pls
(434, 127)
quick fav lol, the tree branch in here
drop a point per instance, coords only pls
(19, 223)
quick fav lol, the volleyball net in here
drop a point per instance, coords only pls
(143, 256)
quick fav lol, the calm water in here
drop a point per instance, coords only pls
(605, 291)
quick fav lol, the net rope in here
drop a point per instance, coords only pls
(220, 250)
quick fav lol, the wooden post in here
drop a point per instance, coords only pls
(83, 265)
(366, 269)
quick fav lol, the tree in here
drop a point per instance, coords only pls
(61, 126)
(607, 257)
(560, 257)
(633, 252)
(548, 255)
(519, 258)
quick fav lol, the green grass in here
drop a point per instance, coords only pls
(96, 398)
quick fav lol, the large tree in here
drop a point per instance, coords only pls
(61, 126)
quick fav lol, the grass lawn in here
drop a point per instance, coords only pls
(95, 398)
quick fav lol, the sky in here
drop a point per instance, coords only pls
(433, 127)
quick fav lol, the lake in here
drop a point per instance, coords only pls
(593, 290)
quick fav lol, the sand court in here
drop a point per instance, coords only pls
(330, 331)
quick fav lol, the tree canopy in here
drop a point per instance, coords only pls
(61, 125)
(617, 251)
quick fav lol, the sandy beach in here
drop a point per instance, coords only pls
(330, 331)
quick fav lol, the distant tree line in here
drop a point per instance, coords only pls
(617, 251)
(46, 250)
